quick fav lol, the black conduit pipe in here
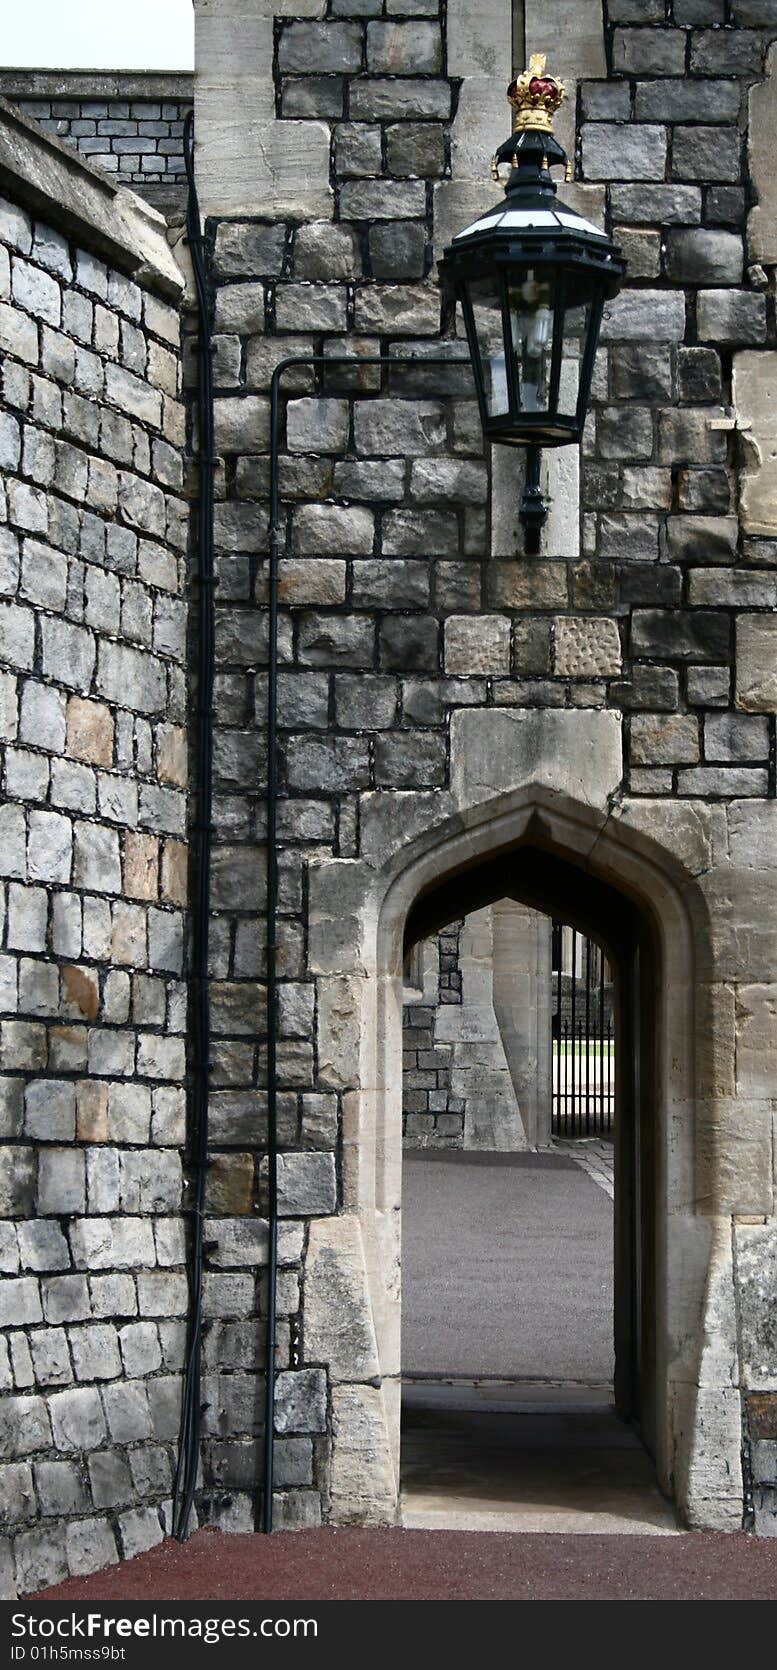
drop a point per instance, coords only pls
(199, 995)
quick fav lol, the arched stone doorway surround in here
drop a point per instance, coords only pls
(510, 771)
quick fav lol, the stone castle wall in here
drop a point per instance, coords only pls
(130, 125)
(407, 603)
(93, 533)
(428, 667)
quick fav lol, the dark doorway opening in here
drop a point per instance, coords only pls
(555, 1414)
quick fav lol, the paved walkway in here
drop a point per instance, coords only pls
(435, 1565)
(506, 1267)
(594, 1156)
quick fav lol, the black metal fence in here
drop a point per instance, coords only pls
(583, 1042)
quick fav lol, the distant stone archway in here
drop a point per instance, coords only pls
(545, 784)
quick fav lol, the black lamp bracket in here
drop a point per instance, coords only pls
(533, 507)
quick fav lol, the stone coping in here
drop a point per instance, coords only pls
(53, 182)
(97, 84)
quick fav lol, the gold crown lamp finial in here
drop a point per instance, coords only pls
(535, 97)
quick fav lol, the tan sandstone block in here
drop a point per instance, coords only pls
(171, 760)
(311, 580)
(141, 862)
(89, 731)
(477, 644)
(229, 1187)
(587, 648)
(92, 1111)
(175, 858)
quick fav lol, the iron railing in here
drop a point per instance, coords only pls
(583, 1050)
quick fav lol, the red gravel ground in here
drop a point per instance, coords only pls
(437, 1565)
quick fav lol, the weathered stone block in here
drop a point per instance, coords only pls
(731, 316)
(399, 99)
(326, 250)
(586, 648)
(333, 530)
(397, 250)
(91, 1546)
(669, 205)
(397, 310)
(403, 48)
(310, 307)
(648, 51)
(300, 1401)
(756, 663)
(616, 152)
(77, 1419)
(323, 48)
(244, 248)
(364, 1489)
(477, 644)
(652, 315)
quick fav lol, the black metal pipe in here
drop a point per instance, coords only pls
(199, 995)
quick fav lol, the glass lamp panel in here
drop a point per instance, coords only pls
(530, 303)
(486, 304)
(575, 336)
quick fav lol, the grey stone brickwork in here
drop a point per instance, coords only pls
(431, 1113)
(93, 750)
(423, 660)
(403, 605)
(663, 554)
(129, 124)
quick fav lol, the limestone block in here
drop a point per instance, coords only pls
(753, 834)
(713, 1485)
(339, 1328)
(363, 1483)
(339, 1032)
(742, 931)
(693, 833)
(718, 1356)
(755, 404)
(242, 1242)
(479, 43)
(391, 822)
(336, 925)
(306, 1184)
(252, 164)
(762, 144)
(756, 1262)
(734, 1156)
(459, 202)
(756, 1059)
(716, 1040)
(576, 754)
(756, 663)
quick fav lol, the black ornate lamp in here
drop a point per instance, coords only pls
(532, 277)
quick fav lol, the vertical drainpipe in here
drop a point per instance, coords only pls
(199, 996)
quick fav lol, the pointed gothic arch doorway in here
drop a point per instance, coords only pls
(556, 886)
